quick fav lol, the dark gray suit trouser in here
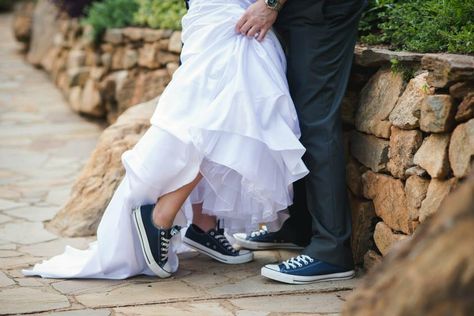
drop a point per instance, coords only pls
(319, 38)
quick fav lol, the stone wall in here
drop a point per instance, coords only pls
(430, 274)
(408, 121)
(102, 80)
(410, 141)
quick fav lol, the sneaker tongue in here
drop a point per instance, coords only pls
(216, 231)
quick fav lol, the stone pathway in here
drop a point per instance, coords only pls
(43, 146)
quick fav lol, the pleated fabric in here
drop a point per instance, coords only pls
(226, 114)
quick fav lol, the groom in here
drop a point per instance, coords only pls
(319, 38)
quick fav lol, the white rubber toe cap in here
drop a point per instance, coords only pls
(240, 236)
(244, 252)
(273, 267)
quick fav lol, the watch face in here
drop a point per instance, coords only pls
(272, 3)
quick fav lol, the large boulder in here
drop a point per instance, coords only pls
(377, 100)
(406, 113)
(403, 146)
(369, 150)
(446, 69)
(461, 89)
(466, 108)
(390, 201)
(461, 149)
(437, 113)
(437, 191)
(416, 189)
(385, 238)
(430, 274)
(433, 155)
(102, 174)
(375, 57)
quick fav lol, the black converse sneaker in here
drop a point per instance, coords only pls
(263, 239)
(155, 242)
(215, 245)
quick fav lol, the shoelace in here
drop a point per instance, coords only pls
(165, 242)
(223, 240)
(260, 232)
(297, 262)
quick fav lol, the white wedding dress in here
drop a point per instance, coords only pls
(227, 113)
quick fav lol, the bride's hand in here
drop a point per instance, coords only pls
(257, 20)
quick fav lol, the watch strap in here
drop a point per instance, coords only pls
(277, 7)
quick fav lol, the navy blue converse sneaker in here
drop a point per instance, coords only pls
(215, 245)
(303, 269)
(263, 239)
(155, 242)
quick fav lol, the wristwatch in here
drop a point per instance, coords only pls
(274, 4)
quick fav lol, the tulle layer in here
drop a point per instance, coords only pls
(245, 181)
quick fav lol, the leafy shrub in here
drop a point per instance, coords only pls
(106, 14)
(420, 25)
(6, 4)
(165, 14)
(74, 8)
(375, 14)
(110, 14)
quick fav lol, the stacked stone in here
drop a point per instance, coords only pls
(128, 66)
(131, 65)
(410, 143)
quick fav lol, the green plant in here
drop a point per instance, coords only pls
(110, 14)
(420, 25)
(6, 4)
(404, 70)
(74, 8)
(165, 14)
(375, 14)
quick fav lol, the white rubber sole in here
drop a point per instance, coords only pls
(151, 263)
(254, 245)
(216, 255)
(295, 279)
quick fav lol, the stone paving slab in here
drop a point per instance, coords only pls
(25, 233)
(44, 145)
(29, 300)
(84, 312)
(54, 247)
(5, 280)
(33, 213)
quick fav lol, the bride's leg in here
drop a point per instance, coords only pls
(203, 221)
(169, 204)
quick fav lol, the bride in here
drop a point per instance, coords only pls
(223, 144)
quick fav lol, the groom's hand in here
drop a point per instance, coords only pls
(257, 20)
